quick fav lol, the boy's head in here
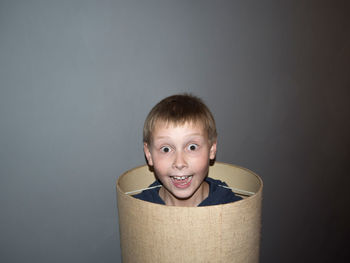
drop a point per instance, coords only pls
(178, 110)
(179, 142)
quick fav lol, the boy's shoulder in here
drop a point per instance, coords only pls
(218, 193)
(152, 194)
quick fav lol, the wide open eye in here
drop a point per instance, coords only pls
(192, 147)
(165, 149)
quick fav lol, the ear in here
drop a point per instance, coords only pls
(148, 154)
(212, 151)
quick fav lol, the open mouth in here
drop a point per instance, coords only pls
(181, 181)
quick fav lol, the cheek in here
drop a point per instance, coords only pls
(161, 164)
(201, 162)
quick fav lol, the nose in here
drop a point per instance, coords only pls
(179, 161)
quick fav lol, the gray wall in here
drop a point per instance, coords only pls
(77, 79)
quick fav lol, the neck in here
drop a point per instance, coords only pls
(201, 193)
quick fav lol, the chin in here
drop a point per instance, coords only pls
(183, 196)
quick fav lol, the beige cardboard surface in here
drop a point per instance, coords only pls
(222, 233)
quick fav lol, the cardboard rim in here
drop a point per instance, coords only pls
(221, 165)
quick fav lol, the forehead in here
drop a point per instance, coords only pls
(190, 127)
(172, 124)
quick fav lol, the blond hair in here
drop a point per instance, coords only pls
(178, 110)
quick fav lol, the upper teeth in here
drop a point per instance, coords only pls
(180, 177)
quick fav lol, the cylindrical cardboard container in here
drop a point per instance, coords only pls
(221, 233)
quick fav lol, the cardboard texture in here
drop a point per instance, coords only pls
(222, 233)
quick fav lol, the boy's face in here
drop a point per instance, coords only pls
(180, 157)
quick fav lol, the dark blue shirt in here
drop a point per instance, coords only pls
(217, 194)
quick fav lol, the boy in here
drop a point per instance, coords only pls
(180, 141)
